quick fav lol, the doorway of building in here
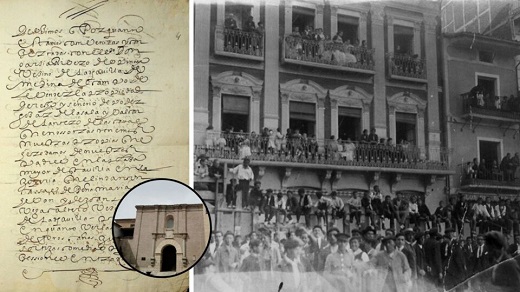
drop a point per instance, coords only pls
(490, 151)
(168, 258)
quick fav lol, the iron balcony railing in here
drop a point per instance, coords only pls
(249, 43)
(328, 52)
(407, 66)
(488, 107)
(333, 152)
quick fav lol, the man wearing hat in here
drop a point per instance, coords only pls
(245, 175)
(420, 262)
(454, 261)
(399, 274)
(293, 267)
(227, 257)
(339, 265)
(432, 258)
(408, 251)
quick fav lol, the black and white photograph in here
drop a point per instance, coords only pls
(358, 145)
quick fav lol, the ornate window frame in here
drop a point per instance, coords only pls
(236, 83)
(304, 91)
(407, 102)
(349, 96)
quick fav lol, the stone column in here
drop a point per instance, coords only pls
(433, 127)
(221, 13)
(216, 118)
(333, 21)
(390, 32)
(201, 68)
(254, 117)
(417, 38)
(284, 112)
(271, 66)
(318, 19)
(362, 27)
(420, 132)
(334, 130)
(288, 16)
(255, 12)
(378, 42)
(365, 120)
(391, 123)
(320, 121)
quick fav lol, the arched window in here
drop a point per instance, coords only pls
(169, 222)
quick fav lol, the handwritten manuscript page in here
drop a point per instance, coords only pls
(94, 101)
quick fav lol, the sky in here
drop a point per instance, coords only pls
(157, 192)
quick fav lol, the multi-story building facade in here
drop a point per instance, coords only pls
(482, 107)
(384, 75)
(163, 239)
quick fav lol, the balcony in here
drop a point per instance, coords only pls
(493, 183)
(508, 112)
(327, 154)
(239, 43)
(327, 54)
(407, 67)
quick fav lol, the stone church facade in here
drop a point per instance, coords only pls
(163, 239)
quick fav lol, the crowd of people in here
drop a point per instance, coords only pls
(479, 98)
(303, 259)
(505, 171)
(245, 39)
(313, 45)
(322, 258)
(296, 146)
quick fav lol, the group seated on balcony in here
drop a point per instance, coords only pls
(407, 64)
(245, 40)
(505, 171)
(313, 45)
(478, 98)
(368, 150)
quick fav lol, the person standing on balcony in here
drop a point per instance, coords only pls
(515, 165)
(230, 22)
(338, 38)
(373, 138)
(250, 24)
(506, 166)
(245, 175)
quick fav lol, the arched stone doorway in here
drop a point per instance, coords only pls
(177, 251)
(168, 258)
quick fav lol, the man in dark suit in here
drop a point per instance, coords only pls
(330, 247)
(455, 264)
(514, 248)
(480, 259)
(408, 252)
(420, 261)
(432, 257)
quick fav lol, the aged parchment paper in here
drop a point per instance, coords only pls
(94, 100)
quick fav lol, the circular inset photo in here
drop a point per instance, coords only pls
(161, 228)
